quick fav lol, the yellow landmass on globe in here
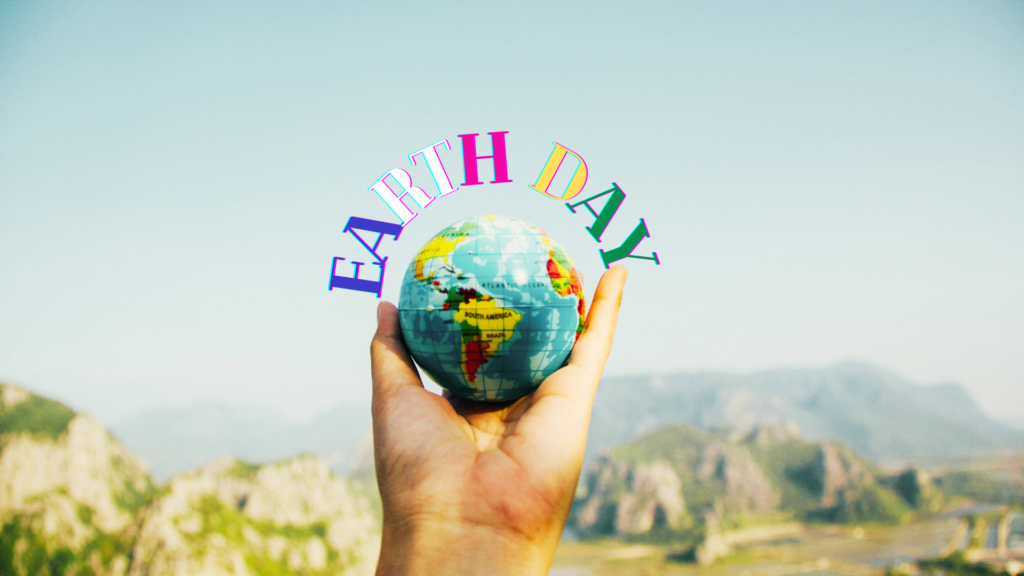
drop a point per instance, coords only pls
(484, 327)
(440, 246)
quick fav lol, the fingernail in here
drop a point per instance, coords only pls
(380, 307)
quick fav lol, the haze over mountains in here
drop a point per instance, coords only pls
(872, 410)
(171, 440)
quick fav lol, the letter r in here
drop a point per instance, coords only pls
(394, 201)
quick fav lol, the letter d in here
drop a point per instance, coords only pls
(547, 174)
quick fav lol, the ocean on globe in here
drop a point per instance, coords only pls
(490, 307)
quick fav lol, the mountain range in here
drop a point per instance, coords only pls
(874, 411)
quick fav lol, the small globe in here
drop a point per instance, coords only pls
(490, 307)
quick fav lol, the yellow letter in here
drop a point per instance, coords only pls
(579, 178)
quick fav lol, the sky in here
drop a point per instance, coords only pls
(821, 181)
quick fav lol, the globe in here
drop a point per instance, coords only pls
(490, 307)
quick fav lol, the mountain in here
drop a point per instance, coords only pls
(235, 518)
(74, 501)
(874, 411)
(171, 440)
(676, 476)
(69, 493)
(688, 484)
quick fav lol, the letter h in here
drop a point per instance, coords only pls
(470, 159)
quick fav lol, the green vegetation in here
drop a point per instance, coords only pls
(24, 551)
(869, 503)
(790, 466)
(956, 565)
(36, 415)
(244, 470)
(33, 554)
(128, 497)
(981, 487)
(230, 523)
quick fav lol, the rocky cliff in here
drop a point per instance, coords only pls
(74, 501)
(69, 493)
(233, 518)
(680, 478)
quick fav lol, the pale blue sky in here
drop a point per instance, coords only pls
(822, 181)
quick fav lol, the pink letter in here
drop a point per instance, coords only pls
(469, 158)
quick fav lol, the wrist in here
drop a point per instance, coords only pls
(437, 547)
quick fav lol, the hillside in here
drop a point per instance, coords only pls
(69, 493)
(232, 517)
(678, 476)
(74, 501)
(685, 484)
(875, 412)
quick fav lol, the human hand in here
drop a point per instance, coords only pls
(482, 488)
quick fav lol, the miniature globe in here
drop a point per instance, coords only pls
(490, 307)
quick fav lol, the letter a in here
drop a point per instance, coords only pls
(547, 174)
(626, 250)
(607, 212)
(470, 159)
(355, 282)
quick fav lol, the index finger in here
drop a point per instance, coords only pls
(578, 380)
(595, 343)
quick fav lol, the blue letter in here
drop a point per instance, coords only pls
(354, 282)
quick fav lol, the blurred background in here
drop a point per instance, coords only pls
(835, 192)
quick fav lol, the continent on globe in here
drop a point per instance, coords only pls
(484, 327)
(490, 307)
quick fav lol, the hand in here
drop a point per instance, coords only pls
(482, 488)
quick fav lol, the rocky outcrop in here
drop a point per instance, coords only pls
(713, 544)
(682, 479)
(836, 470)
(769, 433)
(742, 481)
(915, 486)
(67, 488)
(233, 518)
(642, 487)
(74, 501)
(632, 499)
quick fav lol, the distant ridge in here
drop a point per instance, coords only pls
(873, 410)
(175, 439)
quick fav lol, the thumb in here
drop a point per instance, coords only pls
(390, 363)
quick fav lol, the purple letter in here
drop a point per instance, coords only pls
(355, 282)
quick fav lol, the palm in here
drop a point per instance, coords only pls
(451, 454)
